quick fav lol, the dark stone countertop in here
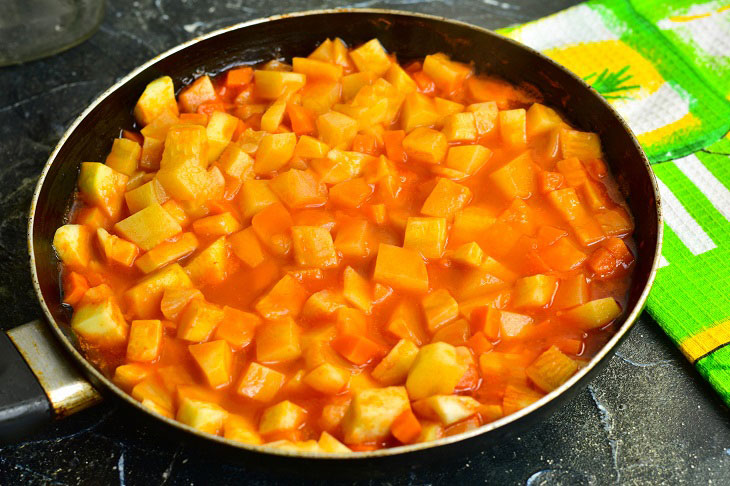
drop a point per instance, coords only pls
(647, 419)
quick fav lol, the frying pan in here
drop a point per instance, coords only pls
(43, 373)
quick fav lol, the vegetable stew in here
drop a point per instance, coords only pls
(345, 253)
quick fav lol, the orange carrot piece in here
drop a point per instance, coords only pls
(618, 249)
(239, 77)
(550, 181)
(393, 140)
(363, 447)
(301, 119)
(603, 263)
(479, 343)
(424, 82)
(75, 286)
(194, 118)
(210, 107)
(569, 346)
(357, 349)
(351, 194)
(406, 427)
(365, 143)
(134, 136)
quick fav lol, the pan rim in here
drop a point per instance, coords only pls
(606, 349)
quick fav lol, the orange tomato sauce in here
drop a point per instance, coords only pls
(523, 240)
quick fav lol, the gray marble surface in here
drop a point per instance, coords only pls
(647, 419)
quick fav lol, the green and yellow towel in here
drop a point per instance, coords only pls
(665, 67)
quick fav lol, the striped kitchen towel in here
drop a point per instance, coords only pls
(665, 67)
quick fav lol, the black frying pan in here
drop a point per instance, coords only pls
(24, 404)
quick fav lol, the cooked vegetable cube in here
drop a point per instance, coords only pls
(145, 340)
(470, 224)
(393, 369)
(236, 163)
(211, 265)
(217, 225)
(357, 290)
(566, 202)
(541, 119)
(124, 156)
(128, 375)
(551, 369)
(446, 74)
(239, 429)
(485, 116)
(327, 443)
(143, 299)
(468, 158)
(282, 417)
(336, 130)
(418, 111)
(372, 412)
(425, 145)
(406, 322)
(278, 341)
(354, 239)
(323, 304)
(275, 84)
(260, 383)
(327, 378)
(273, 116)
(357, 349)
(219, 130)
(513, 127)
(400, 268)
(214, 359)
(72, 242)
(440, 308)
(426, 235)
(371, 57)
(406, 427)
(516, 179)
(455, 333)
(460, 127)
(310, 148)
(274, 152)
(255, 196)
(175, 299)
(299, 189)
(449, 409)
(436, 371)
(534, 291)
(198, 320)
(204, 416)
(103, 187)
(350, 194)
(470, 254)
(157, 97)
(245, 245)
(511, 324)
(286, 297)
(518, 397)
(145, 195)
(313, 246)
(237, 327)
(151, 390)
(148, 227)
(167, 252)
(100, 322)
(594, 314)
(446, 198)
(583, 145)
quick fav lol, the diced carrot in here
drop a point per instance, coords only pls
(572, 291)
(216, 225)
(365, 143)
(465, 425)
(569, 346)
(406, 427)
(194, 118)
(393, 141)
(237, 327)
(618, 249)
(301, 119)
(479, 343)
(562, 255)
(239, 77)
(550, 181)
(75, 286)
(357, 349)
(363, 447)
(603, 263)
(377, 213)
(424, 82)
(134, 136)
(247, 248)
(596, 168)
(273, 226)
(351, 194)
(174, 301)
(547, 235)
(210, 107)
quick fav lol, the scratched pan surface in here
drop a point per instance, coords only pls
(410, 36)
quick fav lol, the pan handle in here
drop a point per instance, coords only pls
(37, 382)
